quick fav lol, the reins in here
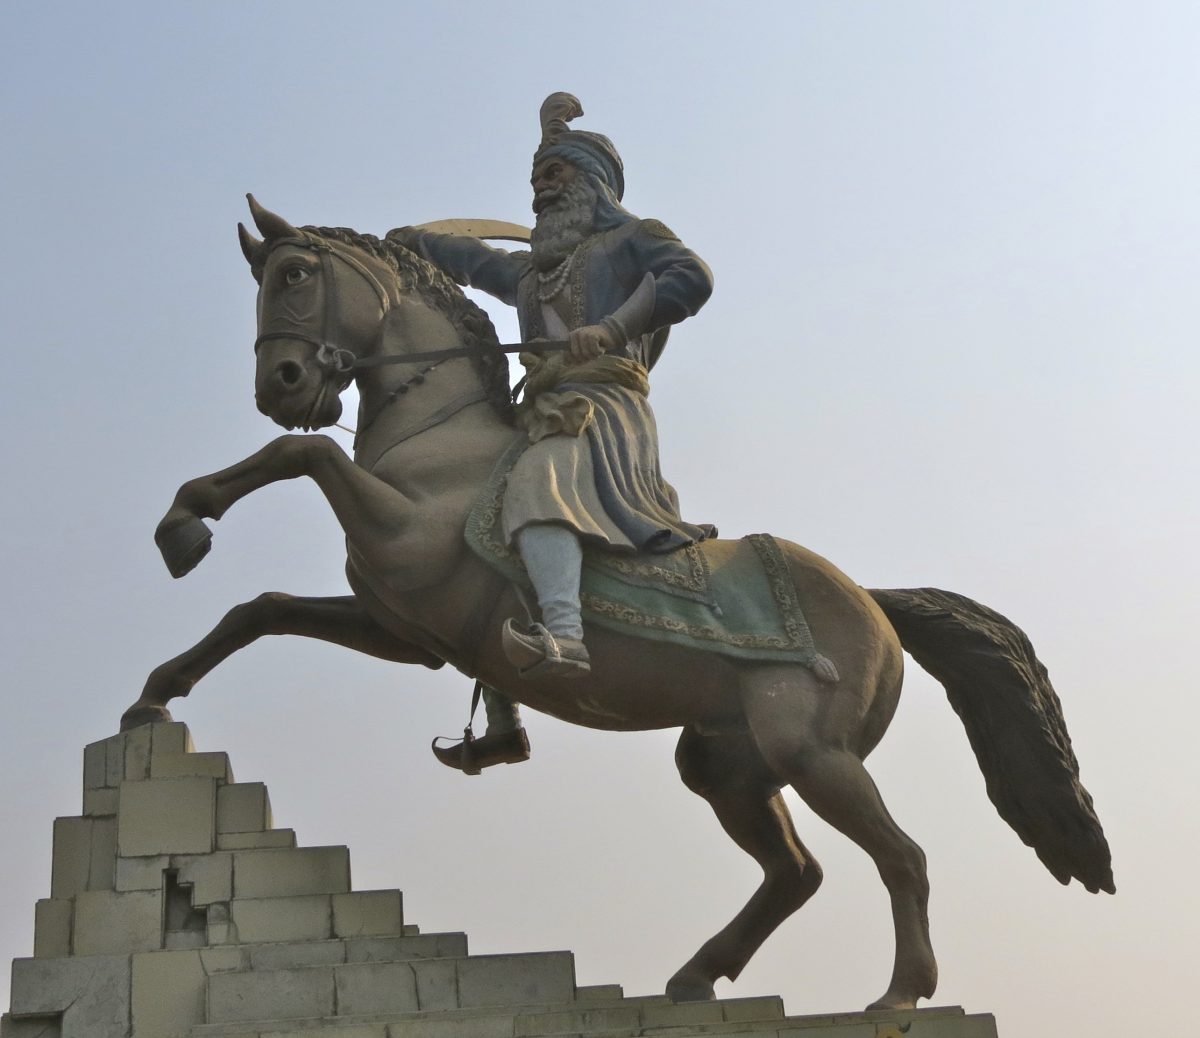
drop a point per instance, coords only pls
(344, 364)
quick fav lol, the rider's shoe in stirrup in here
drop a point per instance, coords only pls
(471, 756)
(536, 652)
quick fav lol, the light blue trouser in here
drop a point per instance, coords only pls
(553, 557)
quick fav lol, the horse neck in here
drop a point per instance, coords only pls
(422, 412)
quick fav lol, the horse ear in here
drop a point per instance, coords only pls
(268, 223)
(250, 244)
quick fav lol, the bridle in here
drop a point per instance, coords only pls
(340, 365)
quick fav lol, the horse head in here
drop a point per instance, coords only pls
(321, 305)
(333, 302)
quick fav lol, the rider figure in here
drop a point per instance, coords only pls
(611, 284)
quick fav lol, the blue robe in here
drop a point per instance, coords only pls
(607, 269)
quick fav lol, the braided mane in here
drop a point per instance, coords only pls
(440, 293)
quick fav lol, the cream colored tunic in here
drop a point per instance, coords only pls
(553, 482)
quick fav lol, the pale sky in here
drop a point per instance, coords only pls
(952, 343)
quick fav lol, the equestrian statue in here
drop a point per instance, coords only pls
(537, 548)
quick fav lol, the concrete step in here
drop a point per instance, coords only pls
(673, 1021)
(619, 1018)
(298, 954)
(416, 985)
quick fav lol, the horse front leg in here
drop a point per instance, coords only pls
(365, 506)
(341, 620)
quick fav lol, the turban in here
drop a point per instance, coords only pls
(591, 152)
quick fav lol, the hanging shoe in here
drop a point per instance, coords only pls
(535, 652)
(471, 756)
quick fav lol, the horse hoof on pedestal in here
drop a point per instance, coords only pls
(682, 988)
(183, 544)
(143, 713)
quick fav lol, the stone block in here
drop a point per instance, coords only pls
(84, 856)
(95, 766)
(102, 872)
(259, 920)
(271, 995)
(844, 1030)
(209, 875)
(221, 933)
(167, 816)
(296, 954)
(200, 765)
(270, 839)
(291, 872)
(31, 1027)
(137, 754)
(397, 949)
(458, 1026)
(599, 993)
(81, 988)
(678, 1015)
(352, 1031)
(52, 928)
(243, 807)
(736, 1010)
(224, 960)
(142, 873)
(539, 978)
(170, 738)
(580, 1019)
(168, 996)
(104, 763)
(99, 802)
(72, 859)
(368, 913)
(111, 923)
(387, 987)
(437, 983)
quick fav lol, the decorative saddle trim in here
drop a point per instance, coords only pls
(734, 598)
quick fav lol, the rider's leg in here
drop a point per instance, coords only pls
(553, 557)
(502, 713)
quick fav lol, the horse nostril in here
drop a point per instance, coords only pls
(289, 372)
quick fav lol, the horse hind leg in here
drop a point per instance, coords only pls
(729, 773)
(834, 783)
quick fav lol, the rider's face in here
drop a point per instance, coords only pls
(549, 178)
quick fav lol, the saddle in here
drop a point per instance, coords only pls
(733, 598)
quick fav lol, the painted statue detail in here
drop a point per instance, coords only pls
(436, 426)
(611, 285)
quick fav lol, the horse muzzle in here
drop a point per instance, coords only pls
(294, 389)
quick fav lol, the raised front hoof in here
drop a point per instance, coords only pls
(183, 544)
(143, 713)
(690, 987)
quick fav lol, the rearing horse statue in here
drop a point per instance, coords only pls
(335, 306)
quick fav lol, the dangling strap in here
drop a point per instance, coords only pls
(468, 743)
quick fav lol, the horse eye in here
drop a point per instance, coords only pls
(295, 275)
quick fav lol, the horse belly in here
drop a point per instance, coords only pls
(635, 685)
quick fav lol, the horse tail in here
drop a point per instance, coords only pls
(1014, 721)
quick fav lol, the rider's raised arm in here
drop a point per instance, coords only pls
(468, 261)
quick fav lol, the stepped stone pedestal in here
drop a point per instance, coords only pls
(178, 910)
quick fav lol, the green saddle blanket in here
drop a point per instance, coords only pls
(735, 598)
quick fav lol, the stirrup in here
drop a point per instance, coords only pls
(535, 652)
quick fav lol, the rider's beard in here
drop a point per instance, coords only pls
(564, 223)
